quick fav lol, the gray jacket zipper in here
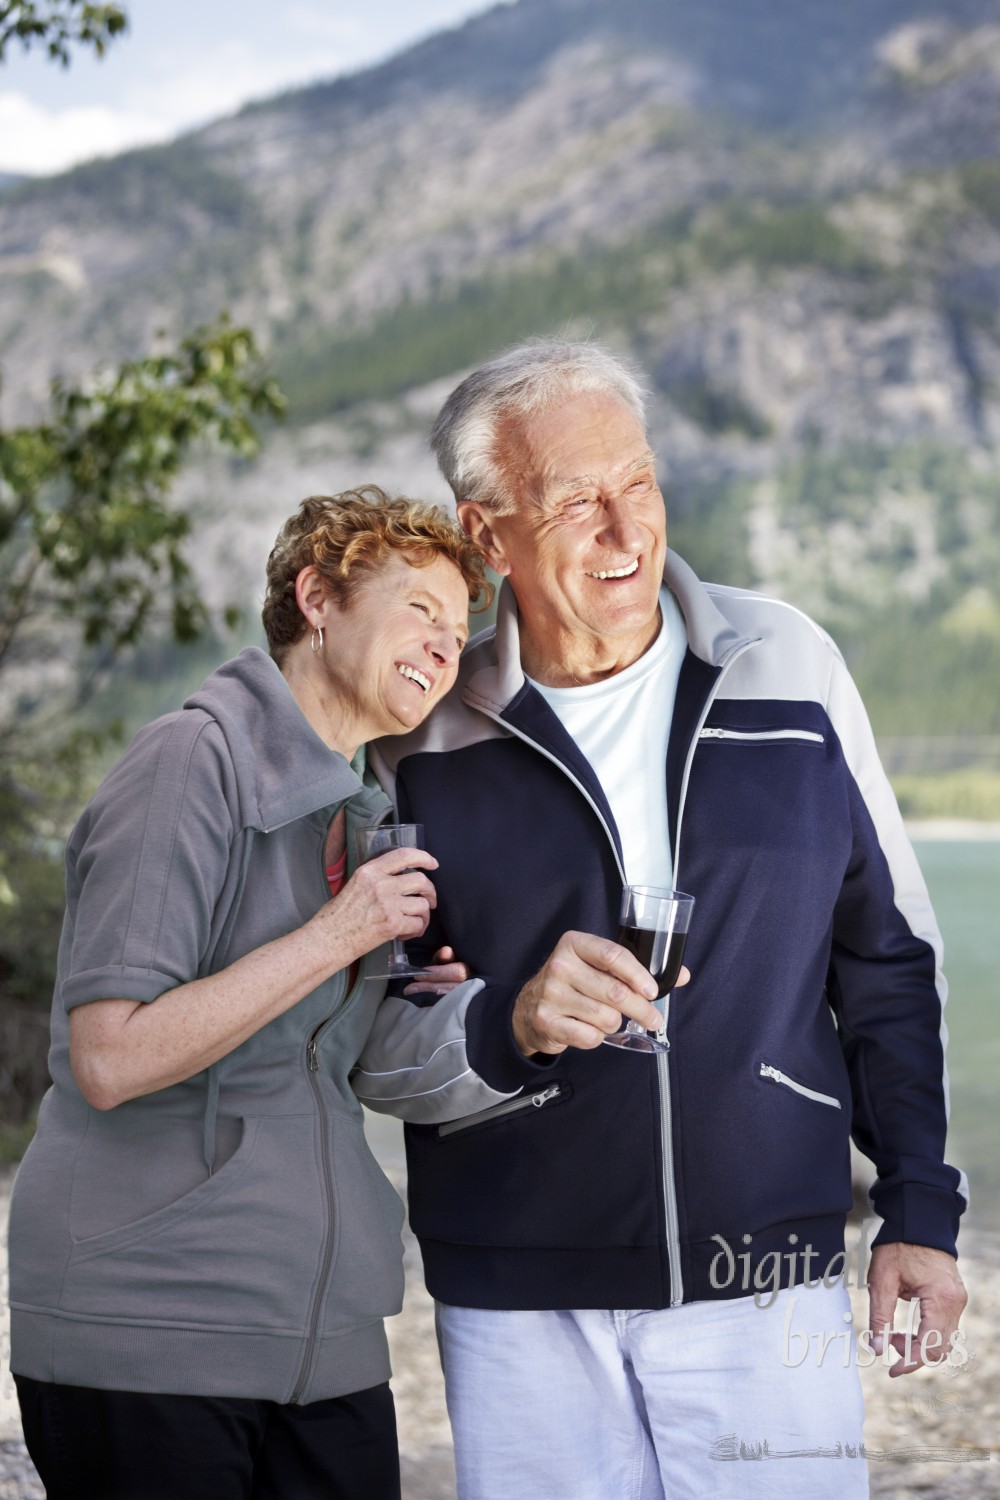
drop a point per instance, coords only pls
(312, 1059)
(312, 1068)
(776, 1076)
(509, 1107)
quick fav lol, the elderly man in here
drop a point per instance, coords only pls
(638, 1261)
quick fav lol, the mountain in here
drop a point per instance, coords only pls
(788, 210)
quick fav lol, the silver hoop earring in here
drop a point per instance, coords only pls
(312, 639)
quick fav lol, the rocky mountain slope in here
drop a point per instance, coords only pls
(788, 210)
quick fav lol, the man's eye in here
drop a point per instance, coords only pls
(423, 607)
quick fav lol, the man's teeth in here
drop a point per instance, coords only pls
(415, 676)
(625, 572)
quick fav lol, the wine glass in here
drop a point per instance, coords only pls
(370, 843)
(654, 926)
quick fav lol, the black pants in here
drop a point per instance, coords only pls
(120, 1445)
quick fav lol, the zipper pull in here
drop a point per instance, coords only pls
(543, 1098)
(311, 1054)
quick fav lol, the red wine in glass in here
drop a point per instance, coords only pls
(371, 842)
(654, 926)
(660, 952)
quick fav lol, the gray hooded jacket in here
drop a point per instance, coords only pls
(231, 1234)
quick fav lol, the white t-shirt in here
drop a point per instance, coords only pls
(622, 726)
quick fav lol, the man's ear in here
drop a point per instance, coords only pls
(478, 523)
(312, 596)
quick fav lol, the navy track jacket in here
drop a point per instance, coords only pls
(815, 1007)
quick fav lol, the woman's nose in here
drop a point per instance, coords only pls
(443, 647)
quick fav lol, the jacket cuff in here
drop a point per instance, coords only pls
(490, 1045)
(914, 1214)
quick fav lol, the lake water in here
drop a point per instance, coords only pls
(964, 881)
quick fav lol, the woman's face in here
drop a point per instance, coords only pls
(392, 652)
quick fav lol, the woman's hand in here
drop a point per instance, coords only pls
(387, 897)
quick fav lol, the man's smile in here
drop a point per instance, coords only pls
(624, 572)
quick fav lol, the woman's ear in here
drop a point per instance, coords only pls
(479, 525)
(312, 596)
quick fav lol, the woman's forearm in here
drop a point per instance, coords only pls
(121, 1049)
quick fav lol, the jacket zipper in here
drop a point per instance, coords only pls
(776, 1075)
(663, 1059)
(312, 1060)
(312, 1069)
(509, 1107)
(808, 735)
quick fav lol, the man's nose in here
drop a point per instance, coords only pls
(621, 528)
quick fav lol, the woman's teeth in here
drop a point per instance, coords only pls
(415, 676)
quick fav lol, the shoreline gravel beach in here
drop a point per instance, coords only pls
(936, 1433)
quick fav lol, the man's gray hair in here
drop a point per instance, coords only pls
(518, 384)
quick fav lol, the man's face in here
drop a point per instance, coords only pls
(585, 544)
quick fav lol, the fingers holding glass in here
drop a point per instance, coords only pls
(653, 925)
(371, 842)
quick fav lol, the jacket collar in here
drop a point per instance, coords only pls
(711, 637)
(284, 770)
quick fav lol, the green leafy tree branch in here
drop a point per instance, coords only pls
(58, 25)
(92, 561)
(87, 530)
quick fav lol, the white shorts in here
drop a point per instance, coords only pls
(725, 1400)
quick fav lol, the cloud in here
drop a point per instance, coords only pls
(179, 94)
(156, 85)
(190, 92)
(38, 140)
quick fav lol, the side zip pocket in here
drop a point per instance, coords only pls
(509, 1107)
(776, 1076)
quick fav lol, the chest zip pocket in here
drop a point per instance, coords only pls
(764, 736)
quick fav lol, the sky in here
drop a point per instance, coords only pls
(184, 62)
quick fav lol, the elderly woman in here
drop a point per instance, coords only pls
(202, 1246)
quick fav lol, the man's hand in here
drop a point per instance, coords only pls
(907, 1271)
(580, 994)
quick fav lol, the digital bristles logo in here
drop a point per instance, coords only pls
(800, 1266)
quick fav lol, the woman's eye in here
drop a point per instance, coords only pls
(422, 607)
